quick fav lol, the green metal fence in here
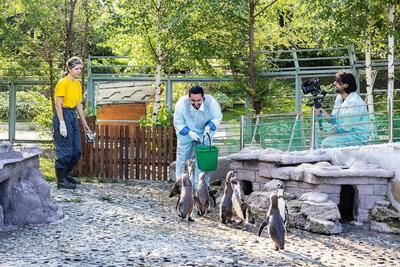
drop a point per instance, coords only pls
(302, 131)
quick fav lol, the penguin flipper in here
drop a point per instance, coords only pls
(263, 225)
(286, 222)
(177, 202)
(197, 203)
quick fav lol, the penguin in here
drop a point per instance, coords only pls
(249, 215)
(176, 188)
(276, 227)
(185, 205)
(240, 206)
(202, 198)
(283, 210)
(189, 169)
(225, 208)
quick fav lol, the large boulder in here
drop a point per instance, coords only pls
(315, 197)
(384, 228)
(384, 218)
(1, 219)
(314, 212)
(322, 226)
(24, 194)
(259, 200)
(325, 211)
(273, 185)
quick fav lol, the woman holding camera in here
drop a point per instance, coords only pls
(68, 98)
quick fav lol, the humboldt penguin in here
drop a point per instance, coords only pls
(283, 210)
(185, 205)
(240, 206)
(276, 227)
(202, 198)
(176, 188)
(225, 208)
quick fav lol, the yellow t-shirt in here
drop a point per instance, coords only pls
(70, 90)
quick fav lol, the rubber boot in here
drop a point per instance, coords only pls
(70, 178)
(62, 180)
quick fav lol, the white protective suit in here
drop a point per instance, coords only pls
(185, 116)
(350, 121)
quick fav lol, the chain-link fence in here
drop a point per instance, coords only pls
(309, 130)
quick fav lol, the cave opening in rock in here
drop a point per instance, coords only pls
(247, 187)
(347, 204)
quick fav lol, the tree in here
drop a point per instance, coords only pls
(164, 28)
(361, 23)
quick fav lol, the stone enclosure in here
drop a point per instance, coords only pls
(320, 192)
(24, 194)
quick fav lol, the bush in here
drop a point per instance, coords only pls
(163, 116)
(29, 105)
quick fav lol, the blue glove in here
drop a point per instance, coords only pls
(212, 126)
(185, 130)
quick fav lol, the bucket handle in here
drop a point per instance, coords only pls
(209, 139)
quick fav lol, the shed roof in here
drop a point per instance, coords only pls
(124, 92)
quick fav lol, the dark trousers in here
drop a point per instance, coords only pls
(68, 150)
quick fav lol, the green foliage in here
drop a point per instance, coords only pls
(163, 117)
(46, 166)
(188, 37)
(44, 115)
(29, 105)
(224, 101)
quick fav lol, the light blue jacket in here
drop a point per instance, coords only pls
(196, 120)
(350, 123)
(351, 115)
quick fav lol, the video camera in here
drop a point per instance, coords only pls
(312, 87)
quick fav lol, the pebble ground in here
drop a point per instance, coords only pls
(136, 225)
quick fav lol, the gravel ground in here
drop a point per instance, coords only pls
(136, 225)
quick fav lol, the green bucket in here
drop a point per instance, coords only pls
(207, 156)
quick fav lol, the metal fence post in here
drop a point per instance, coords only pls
(12, 112)
(312, 141)
(241, 139)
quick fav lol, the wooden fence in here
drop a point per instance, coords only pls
(127, 152)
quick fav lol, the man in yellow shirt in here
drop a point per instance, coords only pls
(68, 97)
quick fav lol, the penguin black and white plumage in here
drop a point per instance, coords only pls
(238, 199)
(225, 208)
(202, 198)
(185, 205)
(240, 206)
(276, 227)
(283, 210)
(176, 188)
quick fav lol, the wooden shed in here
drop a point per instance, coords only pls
(121, 102)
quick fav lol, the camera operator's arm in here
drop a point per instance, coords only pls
(330, 117)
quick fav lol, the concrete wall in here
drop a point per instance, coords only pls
(387, 156)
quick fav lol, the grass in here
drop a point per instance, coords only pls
(233, 114)
(46, 166)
